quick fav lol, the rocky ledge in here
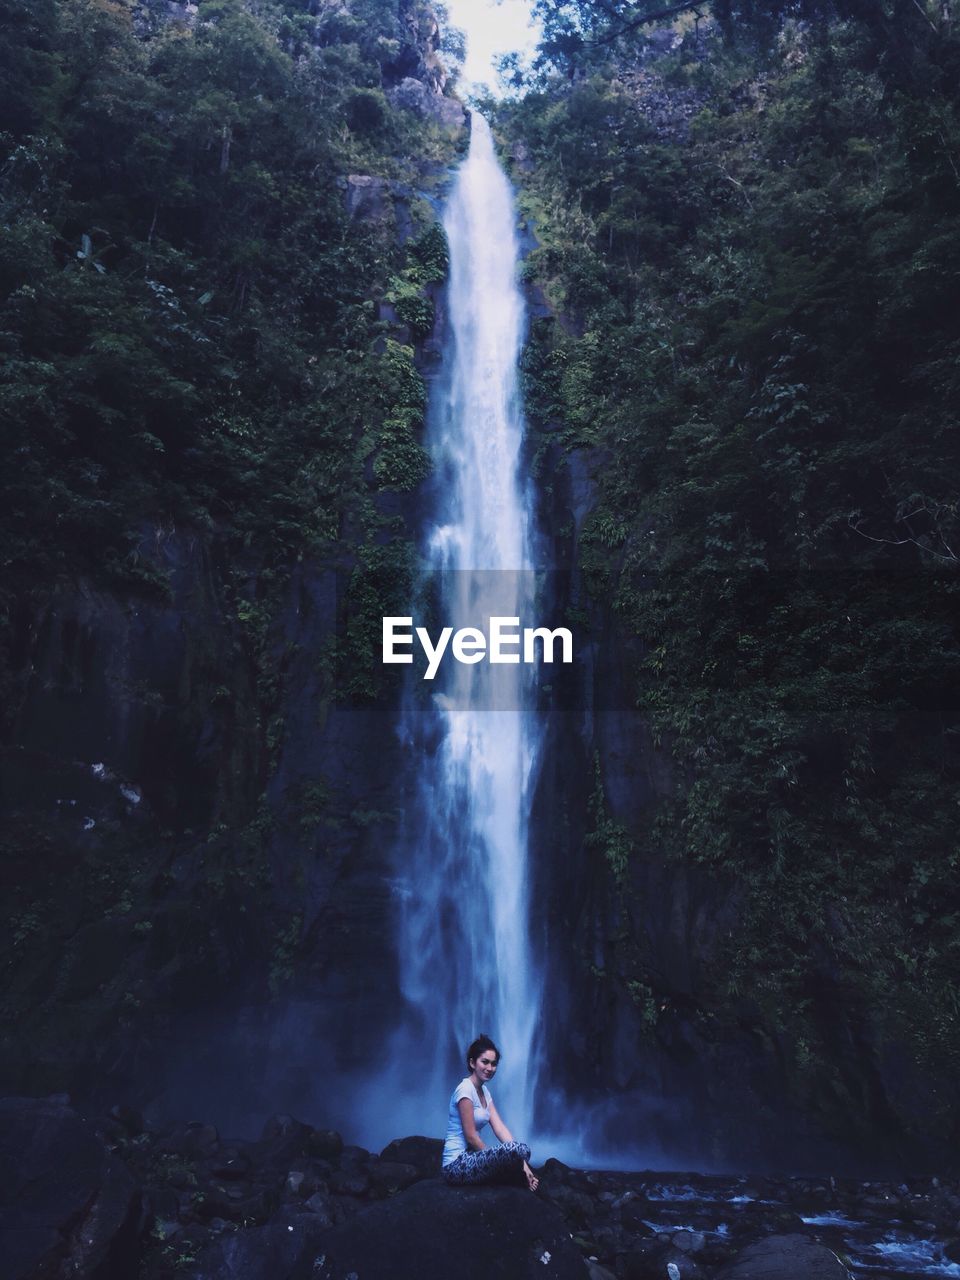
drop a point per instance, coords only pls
(111, 1199)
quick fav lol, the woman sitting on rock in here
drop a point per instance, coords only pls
(466, 1157)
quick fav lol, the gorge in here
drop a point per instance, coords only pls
(658, 351)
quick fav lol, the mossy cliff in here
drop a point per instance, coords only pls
(743, 397)
(219, 269)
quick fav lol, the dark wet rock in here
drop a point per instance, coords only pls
(350, 1182)
(283, 1141)
(162, 1202)
(689, 1241)
(633, 1216)
(650, 1260)
(597, 1272)
(237, 1204)
(576, 1206)
(475, 1233)
(308, 1177)
(63, 1196)
(792, 1257)
(326, 1144)
(231, 1163)
(322, 1208)
(388, 1177)
(226, 1207)
(128, 1118)
(286, 1127)
(555, 1172)
(425, 1154)
(191, 1140)
(284, 1249)
(355, 1157)
(611, 1241)
(644, 1261)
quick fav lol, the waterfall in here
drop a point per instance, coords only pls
(467, 962)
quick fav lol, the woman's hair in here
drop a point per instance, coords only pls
(480, 1045)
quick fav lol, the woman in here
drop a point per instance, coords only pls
(466, 1157)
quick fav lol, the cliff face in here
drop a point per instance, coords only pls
(743, 957)
(198, 787)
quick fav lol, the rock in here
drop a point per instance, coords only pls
(596, 1272)
(282, 1126)
(320, 1206)
(643, 1262)
(473, 1233)
(239, 1205)
(425, 1154)
(129, 1118)
(194, 1139)
(162, 1202)
(284, 1249)
(325, 1144)
(651, 1260)
(792, 1257)
(368, 197)
(417, 97)
(576, 1206)
(388, 1177)
(355, 1157)
(633, 1215)
(689, 1241)
(350, 1182)
(65, 1201)
(231, 1163)
(283, 1140)
(555, 1173)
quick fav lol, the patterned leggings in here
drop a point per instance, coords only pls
(492, 1164)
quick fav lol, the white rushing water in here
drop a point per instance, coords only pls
(464, 923)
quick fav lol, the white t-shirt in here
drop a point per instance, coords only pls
(456, 1144)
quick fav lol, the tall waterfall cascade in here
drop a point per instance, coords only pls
(467, 961)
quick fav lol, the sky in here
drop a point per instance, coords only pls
(492, 27)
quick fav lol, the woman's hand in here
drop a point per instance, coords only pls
(532, 1180)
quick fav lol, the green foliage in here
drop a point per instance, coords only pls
(381, 584)
(401, 463)
(430, 255)
(184, 303)
(191, 341)
(764, 364)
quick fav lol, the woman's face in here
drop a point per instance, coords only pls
(485, 1066)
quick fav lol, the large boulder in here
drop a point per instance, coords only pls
(284, 1249)
(425, 1154)
(433, 1231)
(791, 1257)
(67, 1206)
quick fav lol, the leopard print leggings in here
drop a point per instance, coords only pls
(492, 1164)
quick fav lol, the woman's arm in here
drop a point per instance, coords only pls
(504, 1134)
(467, 1123)
(497, 1125)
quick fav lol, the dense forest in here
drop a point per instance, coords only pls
(747, 226)
(221, 289)
(219, 248)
